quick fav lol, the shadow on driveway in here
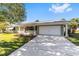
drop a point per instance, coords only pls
(43, 45)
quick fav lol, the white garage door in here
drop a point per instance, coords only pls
(50, 30)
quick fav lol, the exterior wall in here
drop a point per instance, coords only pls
(50, 30)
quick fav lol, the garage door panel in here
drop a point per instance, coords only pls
(50, 30)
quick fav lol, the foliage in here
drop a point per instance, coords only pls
(12, 12)
(73, 24)
(3, 26)
(63, 19)
(36, 20)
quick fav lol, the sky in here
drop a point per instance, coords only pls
(51, 11)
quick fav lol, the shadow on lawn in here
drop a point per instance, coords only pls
(74, 38)
(7, 48)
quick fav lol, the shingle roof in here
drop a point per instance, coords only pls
(44, 23)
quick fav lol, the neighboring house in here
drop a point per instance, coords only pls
(58, 28)
(11, 27)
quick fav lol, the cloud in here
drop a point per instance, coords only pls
(57, 8)
(69, 9)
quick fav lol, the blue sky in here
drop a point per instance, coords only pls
(51, 11)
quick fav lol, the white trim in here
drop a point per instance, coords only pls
(66, 34)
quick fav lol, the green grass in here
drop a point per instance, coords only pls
(7, 37)
(11, 42)
(74, 39)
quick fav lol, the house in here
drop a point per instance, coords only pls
(58, 28)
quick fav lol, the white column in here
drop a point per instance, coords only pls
(19, 29)
(24, 29)
(66, 31)
(34, 31)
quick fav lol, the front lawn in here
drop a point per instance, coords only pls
(11, 42)
(74, 38)
(7, 37)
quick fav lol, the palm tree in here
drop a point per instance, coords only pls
(73, 24)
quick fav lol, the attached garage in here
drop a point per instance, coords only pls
(50, 30)
(59, 28)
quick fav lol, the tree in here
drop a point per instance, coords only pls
(36, 20)
(3, 26)
(12, 12)
(73, 24)
(63, 19)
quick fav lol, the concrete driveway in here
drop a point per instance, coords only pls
(43, 45)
